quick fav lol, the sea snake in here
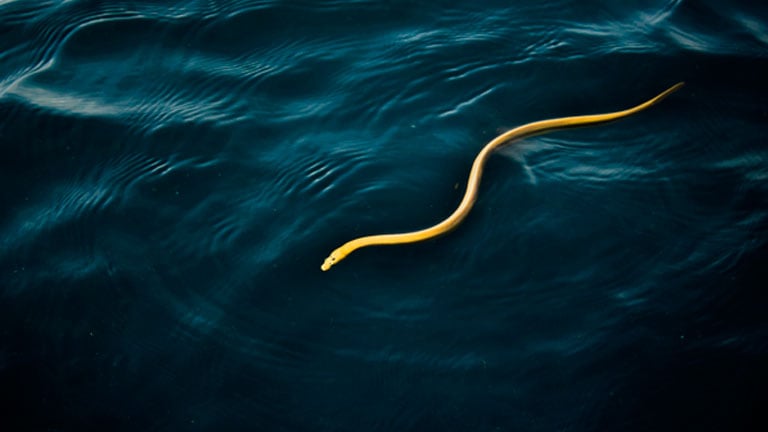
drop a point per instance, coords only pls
(473, 184)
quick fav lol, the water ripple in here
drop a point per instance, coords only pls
(175, 172)
(78, 201)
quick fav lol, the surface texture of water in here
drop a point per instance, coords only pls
(174, 173)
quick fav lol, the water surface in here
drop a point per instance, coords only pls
(175, 172)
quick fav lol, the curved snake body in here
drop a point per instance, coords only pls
(473, 184)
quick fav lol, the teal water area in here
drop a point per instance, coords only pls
(174, 173)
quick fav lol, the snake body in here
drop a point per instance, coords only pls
(473, 184)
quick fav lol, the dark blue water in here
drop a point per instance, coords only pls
(174, 173)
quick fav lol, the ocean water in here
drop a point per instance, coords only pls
(175, 172)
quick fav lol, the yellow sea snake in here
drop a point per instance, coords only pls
(458, 215)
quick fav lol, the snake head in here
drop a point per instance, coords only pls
(335, 256)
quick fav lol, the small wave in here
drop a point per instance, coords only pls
(251, 214)
(47, 33)
(319, 172)
(78, 201)
(16, 12)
